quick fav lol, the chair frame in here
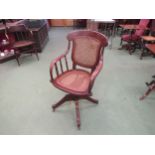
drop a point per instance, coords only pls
(22, 29)
(60, 70)
(131, 44)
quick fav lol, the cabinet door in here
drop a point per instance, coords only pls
(61, 22)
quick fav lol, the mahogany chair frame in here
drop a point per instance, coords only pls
(95, 69)
(133, 44)
(22, 33)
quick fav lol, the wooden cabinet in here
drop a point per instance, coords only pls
(61, 22)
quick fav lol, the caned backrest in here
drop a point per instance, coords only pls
(87, 47)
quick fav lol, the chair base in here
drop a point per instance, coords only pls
(128, 47)
(71, 97)
(151, 87)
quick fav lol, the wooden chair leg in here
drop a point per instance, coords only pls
(17, 58)
(148, 92)
(130, 48)
(142, 54)
(36, 53)
(134, 48)
(59, 103)
(91, 99)
(121, 42)
(78, 121)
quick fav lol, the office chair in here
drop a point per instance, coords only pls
(87, 60)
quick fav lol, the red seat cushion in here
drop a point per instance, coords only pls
(19, 44)
(73, 81)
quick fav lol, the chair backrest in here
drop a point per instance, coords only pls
(143, 23)
(20, 32)
(87, 47)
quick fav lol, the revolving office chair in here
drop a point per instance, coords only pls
(86, 52)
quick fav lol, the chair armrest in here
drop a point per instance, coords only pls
(96, 71)
(54, 65)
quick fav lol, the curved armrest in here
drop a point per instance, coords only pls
(96, 71)
(54, 65)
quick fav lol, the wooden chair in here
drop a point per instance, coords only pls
(22, 41)
(86, 52)
(133, 39)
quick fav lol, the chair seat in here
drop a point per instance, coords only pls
(73, 81)
(19, 44)
(151, 47)
(127, 37)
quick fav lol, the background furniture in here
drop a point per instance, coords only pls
(87, 52)
(61, 22)
(80, 23)
(148, 39)
(109, 28)
(133, 39)
(93, 24)
(39, 29)
(6, 52)
(147, 45)
(22, 41)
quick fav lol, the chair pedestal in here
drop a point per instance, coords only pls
(71, 97)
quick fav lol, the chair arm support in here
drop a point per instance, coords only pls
(96, 71)
(56, 62)
(52, 65)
